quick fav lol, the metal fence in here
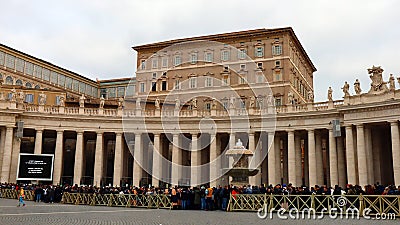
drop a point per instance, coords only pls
(326, 204)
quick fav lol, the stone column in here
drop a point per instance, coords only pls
(2, 140)
(312, 163)
(214, 165)
(350, 158)
(341, 162)
(377, 157)
(362, 157)
(271, 159)
(176, 162)
(137, 165)
(299, 168)
(38, 141)
(118, 159)
(58, 157)
(319, 159)
(333, 162)
(98, 160)
(78, 158)
(195, 161)
(253, 162)
(394, 127)
(157, 160)
(291, 159)
(278, 163)
(370, 158)
(232, 137)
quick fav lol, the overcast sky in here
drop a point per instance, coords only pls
(94, 38)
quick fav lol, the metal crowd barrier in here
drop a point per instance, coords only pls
(376, 204)
(13, 194)
(119, 200)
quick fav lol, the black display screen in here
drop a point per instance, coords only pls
(35, 167)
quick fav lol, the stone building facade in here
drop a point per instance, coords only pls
(176, 111)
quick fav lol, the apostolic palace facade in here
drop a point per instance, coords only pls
(190, 101)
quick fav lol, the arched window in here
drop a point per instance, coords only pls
(37, 86)
(9, 80)
(28, 85)
(18, 82)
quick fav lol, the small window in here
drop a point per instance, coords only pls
(178, 60)
(225, 104)
(143, 64)
(58, 100)
(277, 63)
(121, 91)
(242, 66)
(278, 76)
(193, 82)
(177, 84)
(209, 82)
(225, 80)
(260, 65)
(242, 80)
(153, 86)
(277, 50)
(18, 82)
(164, 62)
(9, 80)
(154, 75)
(37, 86)
(259, 52)
(193, 58)
(29, 98)
(260, 78)
(226, 68)
(111, 93)
(208, 57)
(164, 85)
(207, 106)
(225, 55)
(242, 104)
(154, 63)
(28, 85)
(103, 92)
(278, 101)
(142, 87)
(242, 54)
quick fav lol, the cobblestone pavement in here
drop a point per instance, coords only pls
(41, 213)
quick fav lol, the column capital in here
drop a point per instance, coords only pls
(99, 132)
(79, 132)
(59, 131)
(9, 127)
(394, 123)
(360, 126)
(348, 126)
(156, 134)
(194, 134)
(311, 130)
(119, 133)
(39, 130)
(290, 131)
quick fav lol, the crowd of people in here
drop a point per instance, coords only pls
(203, 197)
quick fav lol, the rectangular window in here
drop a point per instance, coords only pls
(177, 84)
(193, 58)
(153, 86)
(225, 80)
(259, 52)
(207, 106)
(29, 68)
(154, 75)
(19, 65)
(154, 63)
(82, 87)
(68, 83)
(242, 104)
(226, 68)
(103, 92)
(142, 87)
(88, 90)
(225, 104)
(242, 80)
(37, 71)
(209, 82)
(54, 77)
(58, 100)
(111, 92)
(277, 63)
(2, 56)
(278, 76)
(10, 61)
(29, 98)
(164, 85)
(75, 85)
(225, 55)
(143, 64)
(193, 82)
(277, 50)
(121, 91)
(95, 92)
(242, 54)
(46, 74)
(178, 60)
(130, 90)
(242, 66)
(61, 80)
(278, 101)
(260, 65)
(164, 62)
(208, 57)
